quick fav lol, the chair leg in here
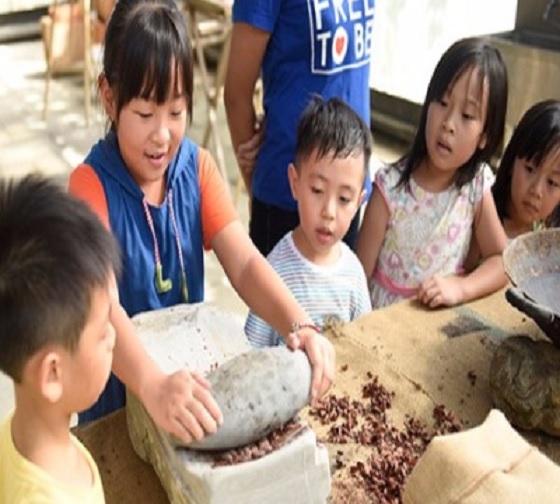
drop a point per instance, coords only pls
(212, 89)
(207, 131)
(220, 158)
(86, 8)
(46, 92)
(50, 59)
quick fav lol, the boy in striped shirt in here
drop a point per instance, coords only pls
(327, 181)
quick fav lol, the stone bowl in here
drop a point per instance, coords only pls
(532, 263)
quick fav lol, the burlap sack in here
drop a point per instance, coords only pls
(427, 358)
(490, 464)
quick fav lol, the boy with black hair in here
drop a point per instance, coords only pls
(327, 180)
(57, 285)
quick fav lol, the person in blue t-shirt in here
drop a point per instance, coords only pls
(301, 48)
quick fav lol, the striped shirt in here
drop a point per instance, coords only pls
(338, 291)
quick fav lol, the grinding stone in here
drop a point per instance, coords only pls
(201, 337)
(532, 263)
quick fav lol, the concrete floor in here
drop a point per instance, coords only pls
(55, 146)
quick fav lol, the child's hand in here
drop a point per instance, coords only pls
(181, 404)
(321, 354)
(440, 291)
(247, 152)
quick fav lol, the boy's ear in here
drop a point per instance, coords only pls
(107, 97)
(292, 177)
(362, 198)
(482, 141)
(50, 376)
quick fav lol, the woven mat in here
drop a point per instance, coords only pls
(427, 358)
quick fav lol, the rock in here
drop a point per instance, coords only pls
(257, 392)
(525, 383)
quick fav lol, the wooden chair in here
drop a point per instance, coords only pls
(210, 25)
(81, 21)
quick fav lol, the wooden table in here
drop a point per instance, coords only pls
(425, 357)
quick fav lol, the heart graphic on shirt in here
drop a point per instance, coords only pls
(340, 45)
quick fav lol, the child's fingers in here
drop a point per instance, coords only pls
(328, 372)
(205, 408)
(436, 301)
(203, 382)
(190, 423)
(202, 419)
(322, 358)
(179, 429)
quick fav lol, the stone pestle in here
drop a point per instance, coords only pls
(257, 392)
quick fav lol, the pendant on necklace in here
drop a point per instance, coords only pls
(162, 286)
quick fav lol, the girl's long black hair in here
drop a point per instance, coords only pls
(463, 55)
(146, 44)
(534, 138)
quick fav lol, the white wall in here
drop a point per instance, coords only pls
(409, 36)
(7, 6)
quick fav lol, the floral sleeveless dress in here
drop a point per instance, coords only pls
(427, 233)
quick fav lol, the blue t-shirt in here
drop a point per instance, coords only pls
(316, 47)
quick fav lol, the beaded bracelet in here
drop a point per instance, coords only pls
(296, 326)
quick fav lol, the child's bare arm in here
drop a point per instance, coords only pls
(491, 238)
(267, 295)
(372, 232)
(473, 257)
(452, 290)
(180, 403)
(487, 277)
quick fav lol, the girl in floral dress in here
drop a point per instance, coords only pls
(428, 206)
